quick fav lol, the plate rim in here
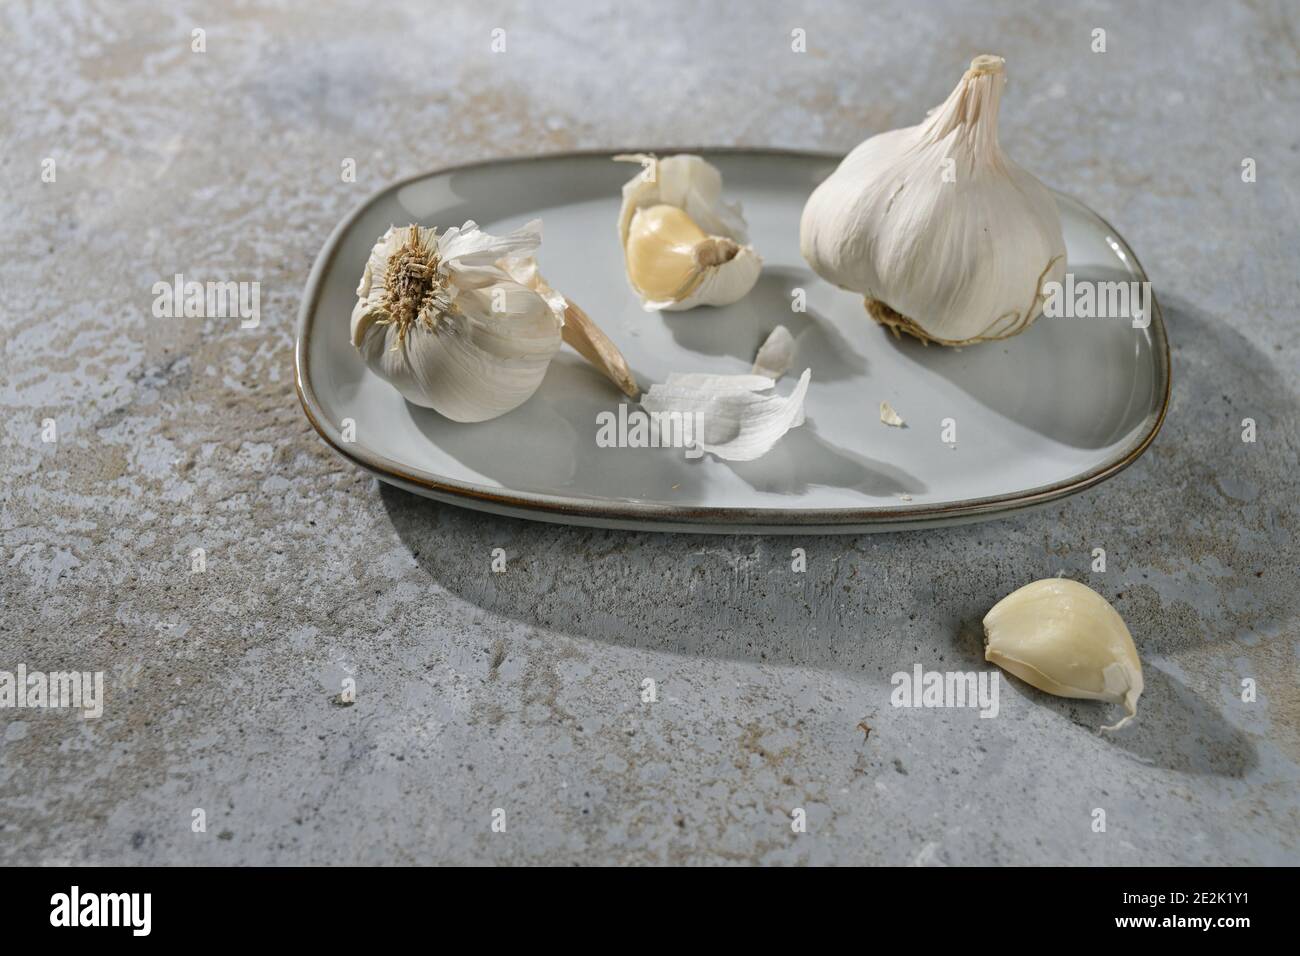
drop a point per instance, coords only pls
(644, 515)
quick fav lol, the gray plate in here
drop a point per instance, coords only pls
(1040, 416)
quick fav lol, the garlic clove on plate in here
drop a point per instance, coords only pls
(1065, 638)
(945, 237)
(682, 245)
(587, 339)
(460, 322)
(580, 333)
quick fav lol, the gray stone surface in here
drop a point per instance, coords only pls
(522, 690)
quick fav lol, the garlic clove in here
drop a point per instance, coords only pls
(1064, 638)
(661, 253)
(944, 235)
(683, 246)
(686, 181)
(580, 333)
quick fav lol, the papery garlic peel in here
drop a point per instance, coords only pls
(741, 415)
(682, 245)
(944, 236)
(775, 355)
(1065, 638)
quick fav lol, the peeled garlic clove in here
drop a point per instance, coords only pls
(661, 260)
(1066, 639)
(945, 236)
(682, 245)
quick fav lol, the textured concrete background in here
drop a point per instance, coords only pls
(521, 691)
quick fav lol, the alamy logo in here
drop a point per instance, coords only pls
(78, 689)
(103, 909)
(635, 428)
(208, 300)
(922, 688)
(1086, 299)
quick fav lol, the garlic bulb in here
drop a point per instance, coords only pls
(682, 245)
(1065, 638)
(945, 236)
(463, 323)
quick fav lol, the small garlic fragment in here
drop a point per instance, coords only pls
(889, 416)
(775, 355)
(1065, 638)
(682, 245)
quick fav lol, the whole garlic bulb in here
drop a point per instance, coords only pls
(464, 324)
(943, 234)
(1065, 638)
(440, 319)
(682, 245)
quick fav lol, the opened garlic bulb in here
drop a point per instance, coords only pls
(682, 245)
(1065, 638)
(936, 227)
(464, 324)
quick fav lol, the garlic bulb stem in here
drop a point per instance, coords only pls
(714, 251)
(414, 289)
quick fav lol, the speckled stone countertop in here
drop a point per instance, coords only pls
(522, 691)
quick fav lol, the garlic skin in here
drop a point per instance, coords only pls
(448, 322)
(945, 236)
(682, 245)
(1065, 638)
(741, 414)
(890, 417)
(775, 355)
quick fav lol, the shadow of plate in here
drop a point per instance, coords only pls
(871, 604)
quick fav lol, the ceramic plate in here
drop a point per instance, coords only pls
(1045, 414)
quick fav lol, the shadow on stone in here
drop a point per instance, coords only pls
(1191, 566)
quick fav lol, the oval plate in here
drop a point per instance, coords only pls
(1055, 410)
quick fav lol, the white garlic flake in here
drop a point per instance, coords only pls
(1065, 638)
(945, 237)
(741, 417)
(775, 355)
(682, 245)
